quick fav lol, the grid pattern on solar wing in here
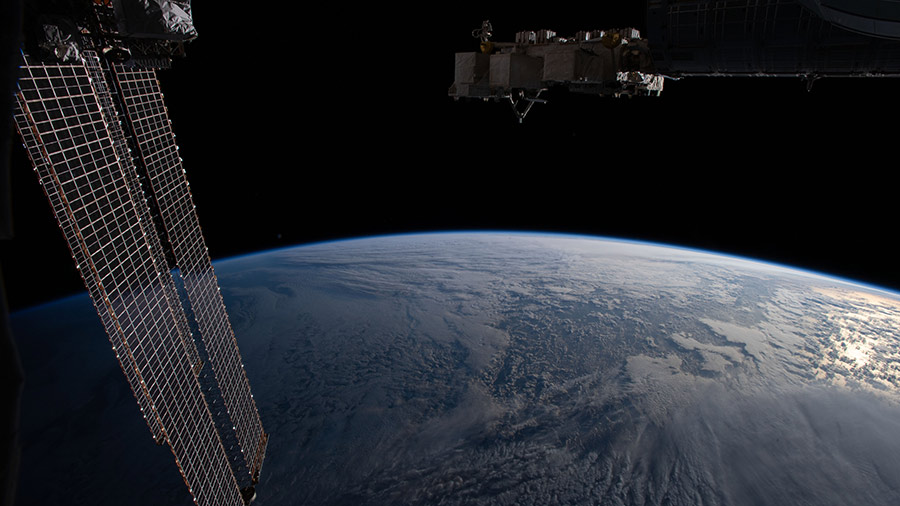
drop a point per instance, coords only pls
(149, 121)
(29, 117)
(110, 116)
(73, 152)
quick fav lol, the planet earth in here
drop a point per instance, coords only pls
(503, 369)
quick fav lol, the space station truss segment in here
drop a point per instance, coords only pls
(73, 147)
(147, 114)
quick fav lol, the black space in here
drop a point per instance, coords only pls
(297, 127)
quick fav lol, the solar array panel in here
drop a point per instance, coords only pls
(155, 140)
(68, 121)
(41, 122)
(98, 72)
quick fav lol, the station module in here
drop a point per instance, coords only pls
(606, 62)
(92, 118)
(807, 39)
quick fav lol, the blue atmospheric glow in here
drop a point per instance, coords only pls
(793, 268)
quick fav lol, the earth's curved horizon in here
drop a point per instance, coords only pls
(503, 368)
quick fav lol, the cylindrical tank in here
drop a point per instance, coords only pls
(878, 18)
(761, 37)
